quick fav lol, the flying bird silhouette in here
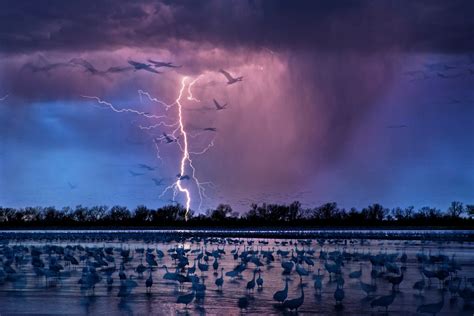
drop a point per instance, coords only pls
(168, 139)
(444, 76)
(142, 66)
(147, 167)
(72, 186)
(162, 64)
(45, 66)
(87, 65)
(132, 173)
(118, 69)
(210, 129)
(184, 177)
(230, 79)
(158, 182)
(218, 106)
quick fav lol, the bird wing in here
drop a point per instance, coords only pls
(156, 63)
(162, 64)
(84, 63)
(217, 104)
(151, 70)
(226, 74)
(118, 69)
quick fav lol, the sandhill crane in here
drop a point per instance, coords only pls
(243, 303)
(186, 298)
(259, 280)
(295, 303)
(280, 296)
(420, 285)
(251, 283)
(356, 274)
(383, 301)
(220, 280)
(230, 79)
(339, 295)
(433, 308)
(149, 282)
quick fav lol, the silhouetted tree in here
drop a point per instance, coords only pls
(142, 214)
(470, 210)
(96, 213)
(119, 214)
(294, 211)
(326, 211)
(80, 214)
(259, 215)
(170, 213)
(374, 213)
(221, 212)
(32, 214)
(456, 209)
(51, 215)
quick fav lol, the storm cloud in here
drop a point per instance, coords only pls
(319, 77)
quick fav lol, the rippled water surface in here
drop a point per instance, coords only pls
(37, 274)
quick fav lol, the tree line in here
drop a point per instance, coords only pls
(328, 215)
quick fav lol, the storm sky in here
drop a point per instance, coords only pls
(348, 101)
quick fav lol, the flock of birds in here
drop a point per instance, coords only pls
(454, 69)
(151, 66)
(187, 264)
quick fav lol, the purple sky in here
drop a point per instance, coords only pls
(352, 101)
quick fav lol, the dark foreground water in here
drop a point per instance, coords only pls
(105, 273)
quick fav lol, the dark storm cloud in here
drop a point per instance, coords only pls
(438, 25)
(314, 74)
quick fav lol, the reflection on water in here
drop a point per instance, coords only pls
(161, 273)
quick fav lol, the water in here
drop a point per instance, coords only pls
(23, 292)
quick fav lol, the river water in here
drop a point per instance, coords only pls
(53, 286)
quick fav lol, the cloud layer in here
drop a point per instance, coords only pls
(318, 78)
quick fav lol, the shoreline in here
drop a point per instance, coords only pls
(327, 233)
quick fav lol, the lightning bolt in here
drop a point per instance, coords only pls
(190, 86)
(185, 149)
(179, 134)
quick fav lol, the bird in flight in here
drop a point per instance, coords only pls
(218, 106)
(118, 69)
(147, 167)
(45, 67)
(158, 182)
(210, 129)
(72, 186)
(142, 66)
(230, 79)
(87, 65)
(168, 139)
(134, 174)
(162, 64)
(184, 177)
(94, 71)
(444, 76)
